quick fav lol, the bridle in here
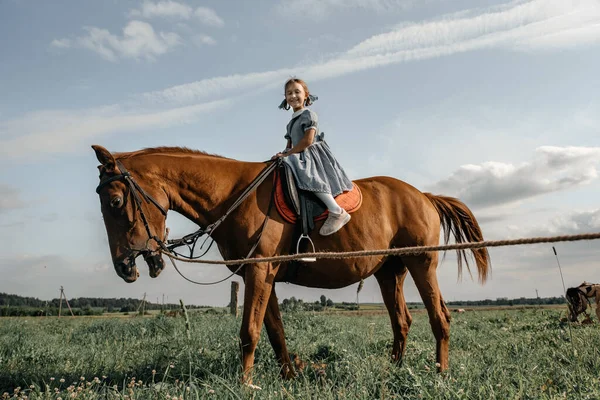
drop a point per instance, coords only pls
(577, 302)
(139, 195)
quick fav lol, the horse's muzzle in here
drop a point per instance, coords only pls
(127, 270)
(155, 263)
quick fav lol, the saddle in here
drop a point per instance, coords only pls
(294, 204)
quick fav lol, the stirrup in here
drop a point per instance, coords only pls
(306, 259)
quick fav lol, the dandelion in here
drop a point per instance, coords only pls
(31, 387)
(104, 376)
(51, 379)
(82, 378)
(438, 365)
(171, 366)
(211, 391)
(153, 372)
(59, 398)
(62, 380)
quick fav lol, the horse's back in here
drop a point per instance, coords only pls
(399, 206)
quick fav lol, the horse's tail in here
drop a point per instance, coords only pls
(456, 218)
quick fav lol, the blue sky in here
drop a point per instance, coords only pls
(493, 102)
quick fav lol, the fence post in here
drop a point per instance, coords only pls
(233, 303)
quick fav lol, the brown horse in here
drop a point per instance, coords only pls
(201, 187)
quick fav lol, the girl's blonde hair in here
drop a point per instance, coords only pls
(309, 98)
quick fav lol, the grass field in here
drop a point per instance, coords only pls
(494, 354)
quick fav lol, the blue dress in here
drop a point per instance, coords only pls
(315, 168)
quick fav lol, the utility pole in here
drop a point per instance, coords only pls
(142, 305)
(233, 302)
(62, 294)
(358, 289)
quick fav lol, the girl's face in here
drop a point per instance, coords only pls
(295, 96)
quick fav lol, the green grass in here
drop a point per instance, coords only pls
(499, 354)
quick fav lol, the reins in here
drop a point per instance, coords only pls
(190, 240)
(251, 188)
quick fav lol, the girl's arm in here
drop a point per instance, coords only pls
(306, 141)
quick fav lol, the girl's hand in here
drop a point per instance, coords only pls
(278, 155)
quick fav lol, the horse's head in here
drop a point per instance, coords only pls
(575, 303)
(134, 214)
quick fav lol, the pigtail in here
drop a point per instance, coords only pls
(284, 105)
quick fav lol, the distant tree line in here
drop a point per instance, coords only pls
(14, 305)
(293, 304)
(505, 301)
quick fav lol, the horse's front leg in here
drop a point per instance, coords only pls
(258, 280)
(274, 326)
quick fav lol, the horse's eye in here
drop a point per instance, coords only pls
(116, 202)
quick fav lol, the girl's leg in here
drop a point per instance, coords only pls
(329, 202)
(337, 218)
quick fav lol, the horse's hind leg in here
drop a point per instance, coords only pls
(274, 326)
(391, 280)
(423, 271)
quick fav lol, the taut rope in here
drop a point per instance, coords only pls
(398, 251)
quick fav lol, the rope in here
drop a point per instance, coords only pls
(397, 251)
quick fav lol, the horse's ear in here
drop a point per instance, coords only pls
(104, 156)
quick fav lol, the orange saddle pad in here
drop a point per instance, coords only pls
(349, 201)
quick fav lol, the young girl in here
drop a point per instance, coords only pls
(314, 166)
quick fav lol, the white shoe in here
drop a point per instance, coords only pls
(334, 223)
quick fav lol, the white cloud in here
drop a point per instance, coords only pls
(203, 40)
(320, 9)
(531, 25)
(61, 43)
(71, 130)
(516, 25)
(173, 9)
(218, 86)
(573, 223)
(552, 169)
(163, 9)
(208, 16)
(139, 41)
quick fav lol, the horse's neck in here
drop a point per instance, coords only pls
(595, 292)
(200, 186)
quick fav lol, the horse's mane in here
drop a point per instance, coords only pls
(162, 150)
